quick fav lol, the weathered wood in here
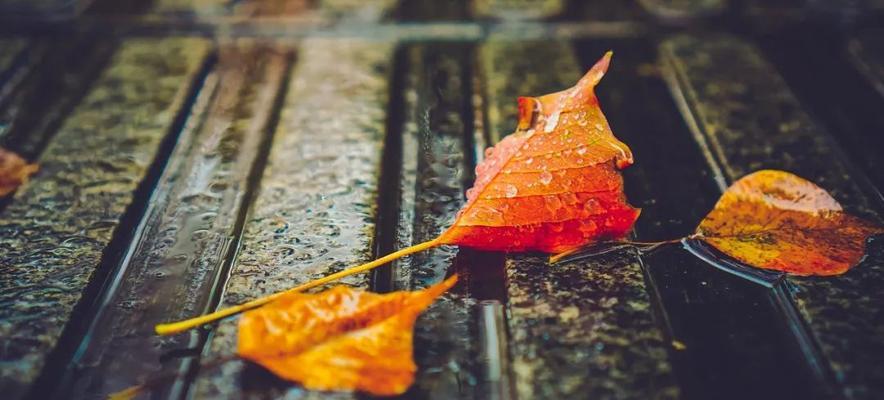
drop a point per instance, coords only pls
(193, 219)
(742, 108)
(53, 234)
(315, 211)
(581, 328)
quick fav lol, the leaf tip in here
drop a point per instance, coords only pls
(445, 285)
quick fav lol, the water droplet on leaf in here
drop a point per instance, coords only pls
(545, 177)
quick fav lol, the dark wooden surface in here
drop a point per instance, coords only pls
(199, 154)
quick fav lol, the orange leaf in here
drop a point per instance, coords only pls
(776, 220)
(339, 339)
(554, 184)
(14, 171)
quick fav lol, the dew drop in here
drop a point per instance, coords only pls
(552, 122)
(592, 206)
(529, 161)
(588, 228)
(552, 202)
(545, 177)
(510, 191)
(581, 150)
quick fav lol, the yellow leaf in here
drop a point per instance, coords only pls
(340, 339)
(776, 220)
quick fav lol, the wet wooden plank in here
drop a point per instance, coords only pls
(189, 229)
(53, 234)
(750, 120)
(436, 96)
(315, 211)
(582, 328)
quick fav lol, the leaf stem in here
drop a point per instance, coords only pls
(181, 326)
(606, 247)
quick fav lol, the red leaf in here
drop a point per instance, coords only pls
(554, 184)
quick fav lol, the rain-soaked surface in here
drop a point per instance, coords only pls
(56, 230)
(196, 155)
